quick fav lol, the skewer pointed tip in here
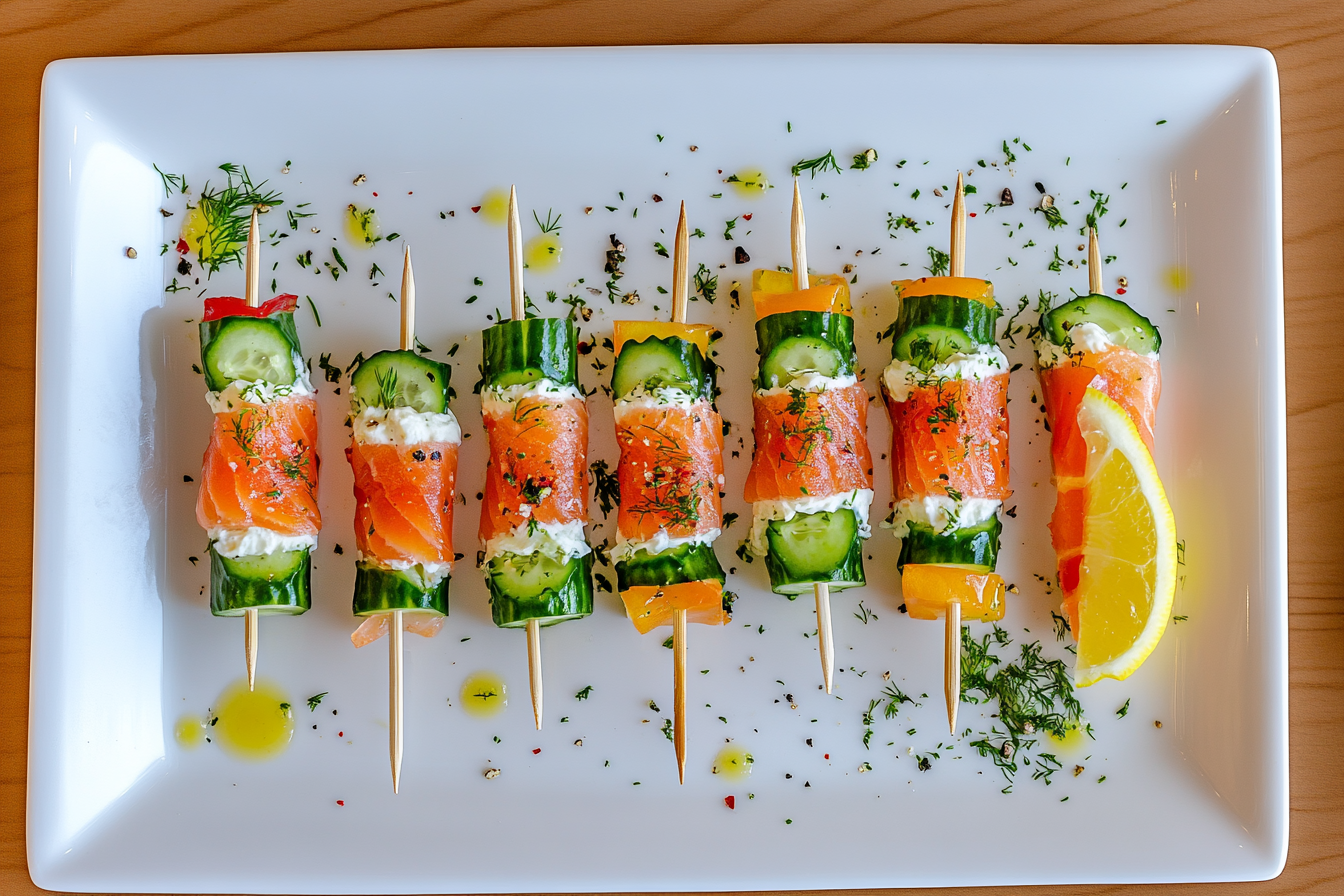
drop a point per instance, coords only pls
(952, 664)
(1094, 263)
(825, 638)
(534, 667)
(679, 690)
(395, 680)
(251, 633)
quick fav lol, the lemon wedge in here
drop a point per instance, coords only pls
(1127, 580)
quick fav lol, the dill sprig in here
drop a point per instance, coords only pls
(388, 391)
(172, 182)
(706, 283)
(819, 165)
(551, 225)
(226, 213)
(939, 262)
(606, 487)
(1053, 219)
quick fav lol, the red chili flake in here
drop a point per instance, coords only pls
(375, 194)
(475, 208)
(826, 756)
(536, 751)
(340, 734)
(972, 213)
(746, 217)
(340, 802)
(730, 802)
(410, 192)
(182, 247)
(1121, 291)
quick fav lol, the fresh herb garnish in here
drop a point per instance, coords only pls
(816, 166)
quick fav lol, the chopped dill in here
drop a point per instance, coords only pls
(1035, 697)
(172, 182)
(606, 486)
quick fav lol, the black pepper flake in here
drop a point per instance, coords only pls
(194, 560)
(187, 479)
(183, 266)
(901, 608)
(1039, 188)
(1006, 197)
(657, 198)
(338, 549)
(436, 455)
(418, 454)
(740, 256)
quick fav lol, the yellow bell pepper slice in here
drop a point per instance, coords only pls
(772, 292)
(639, 330)
(650, 606)
(929, 588)
(972, 288)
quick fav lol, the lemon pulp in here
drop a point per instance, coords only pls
(362, 226)
(494, 206)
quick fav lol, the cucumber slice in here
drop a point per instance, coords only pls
(378, 590)
(814, 547)
(685, 563)
(655, 363)
(275, 584)
(1123, 325)
(930, 344)
(524, 351)
(798, 356)
(247, 348)
(976, 319)
(400, 379)
(809, 335)
(975, 547)
(537, 586)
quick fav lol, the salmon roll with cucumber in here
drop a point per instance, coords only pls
(946, 391)
(811, 477)
(403, 452)
(258, 492)
(670, 474)
(537, 561)
(1098, 342)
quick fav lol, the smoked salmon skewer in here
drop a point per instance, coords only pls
(946, 391)
(811, 478)
(1099, 342)
(404, 453)
(258, 494)
(538, 565)
(670, 476)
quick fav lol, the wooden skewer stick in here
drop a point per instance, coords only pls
(681, 252)
(395, 643)
(1093, 262)
(825, 639)
(251, 616)
(952, 617)
(518, 305)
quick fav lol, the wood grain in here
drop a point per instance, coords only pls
(1306, 37)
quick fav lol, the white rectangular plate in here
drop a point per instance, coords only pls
(123, 643)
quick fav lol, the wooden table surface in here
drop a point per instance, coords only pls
(1306, 37)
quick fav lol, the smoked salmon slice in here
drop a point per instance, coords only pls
(671, 470)
(1131, 380)
(536, 467)
(809, 444)
(951, 438)
(404, 500)
(260, 468)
